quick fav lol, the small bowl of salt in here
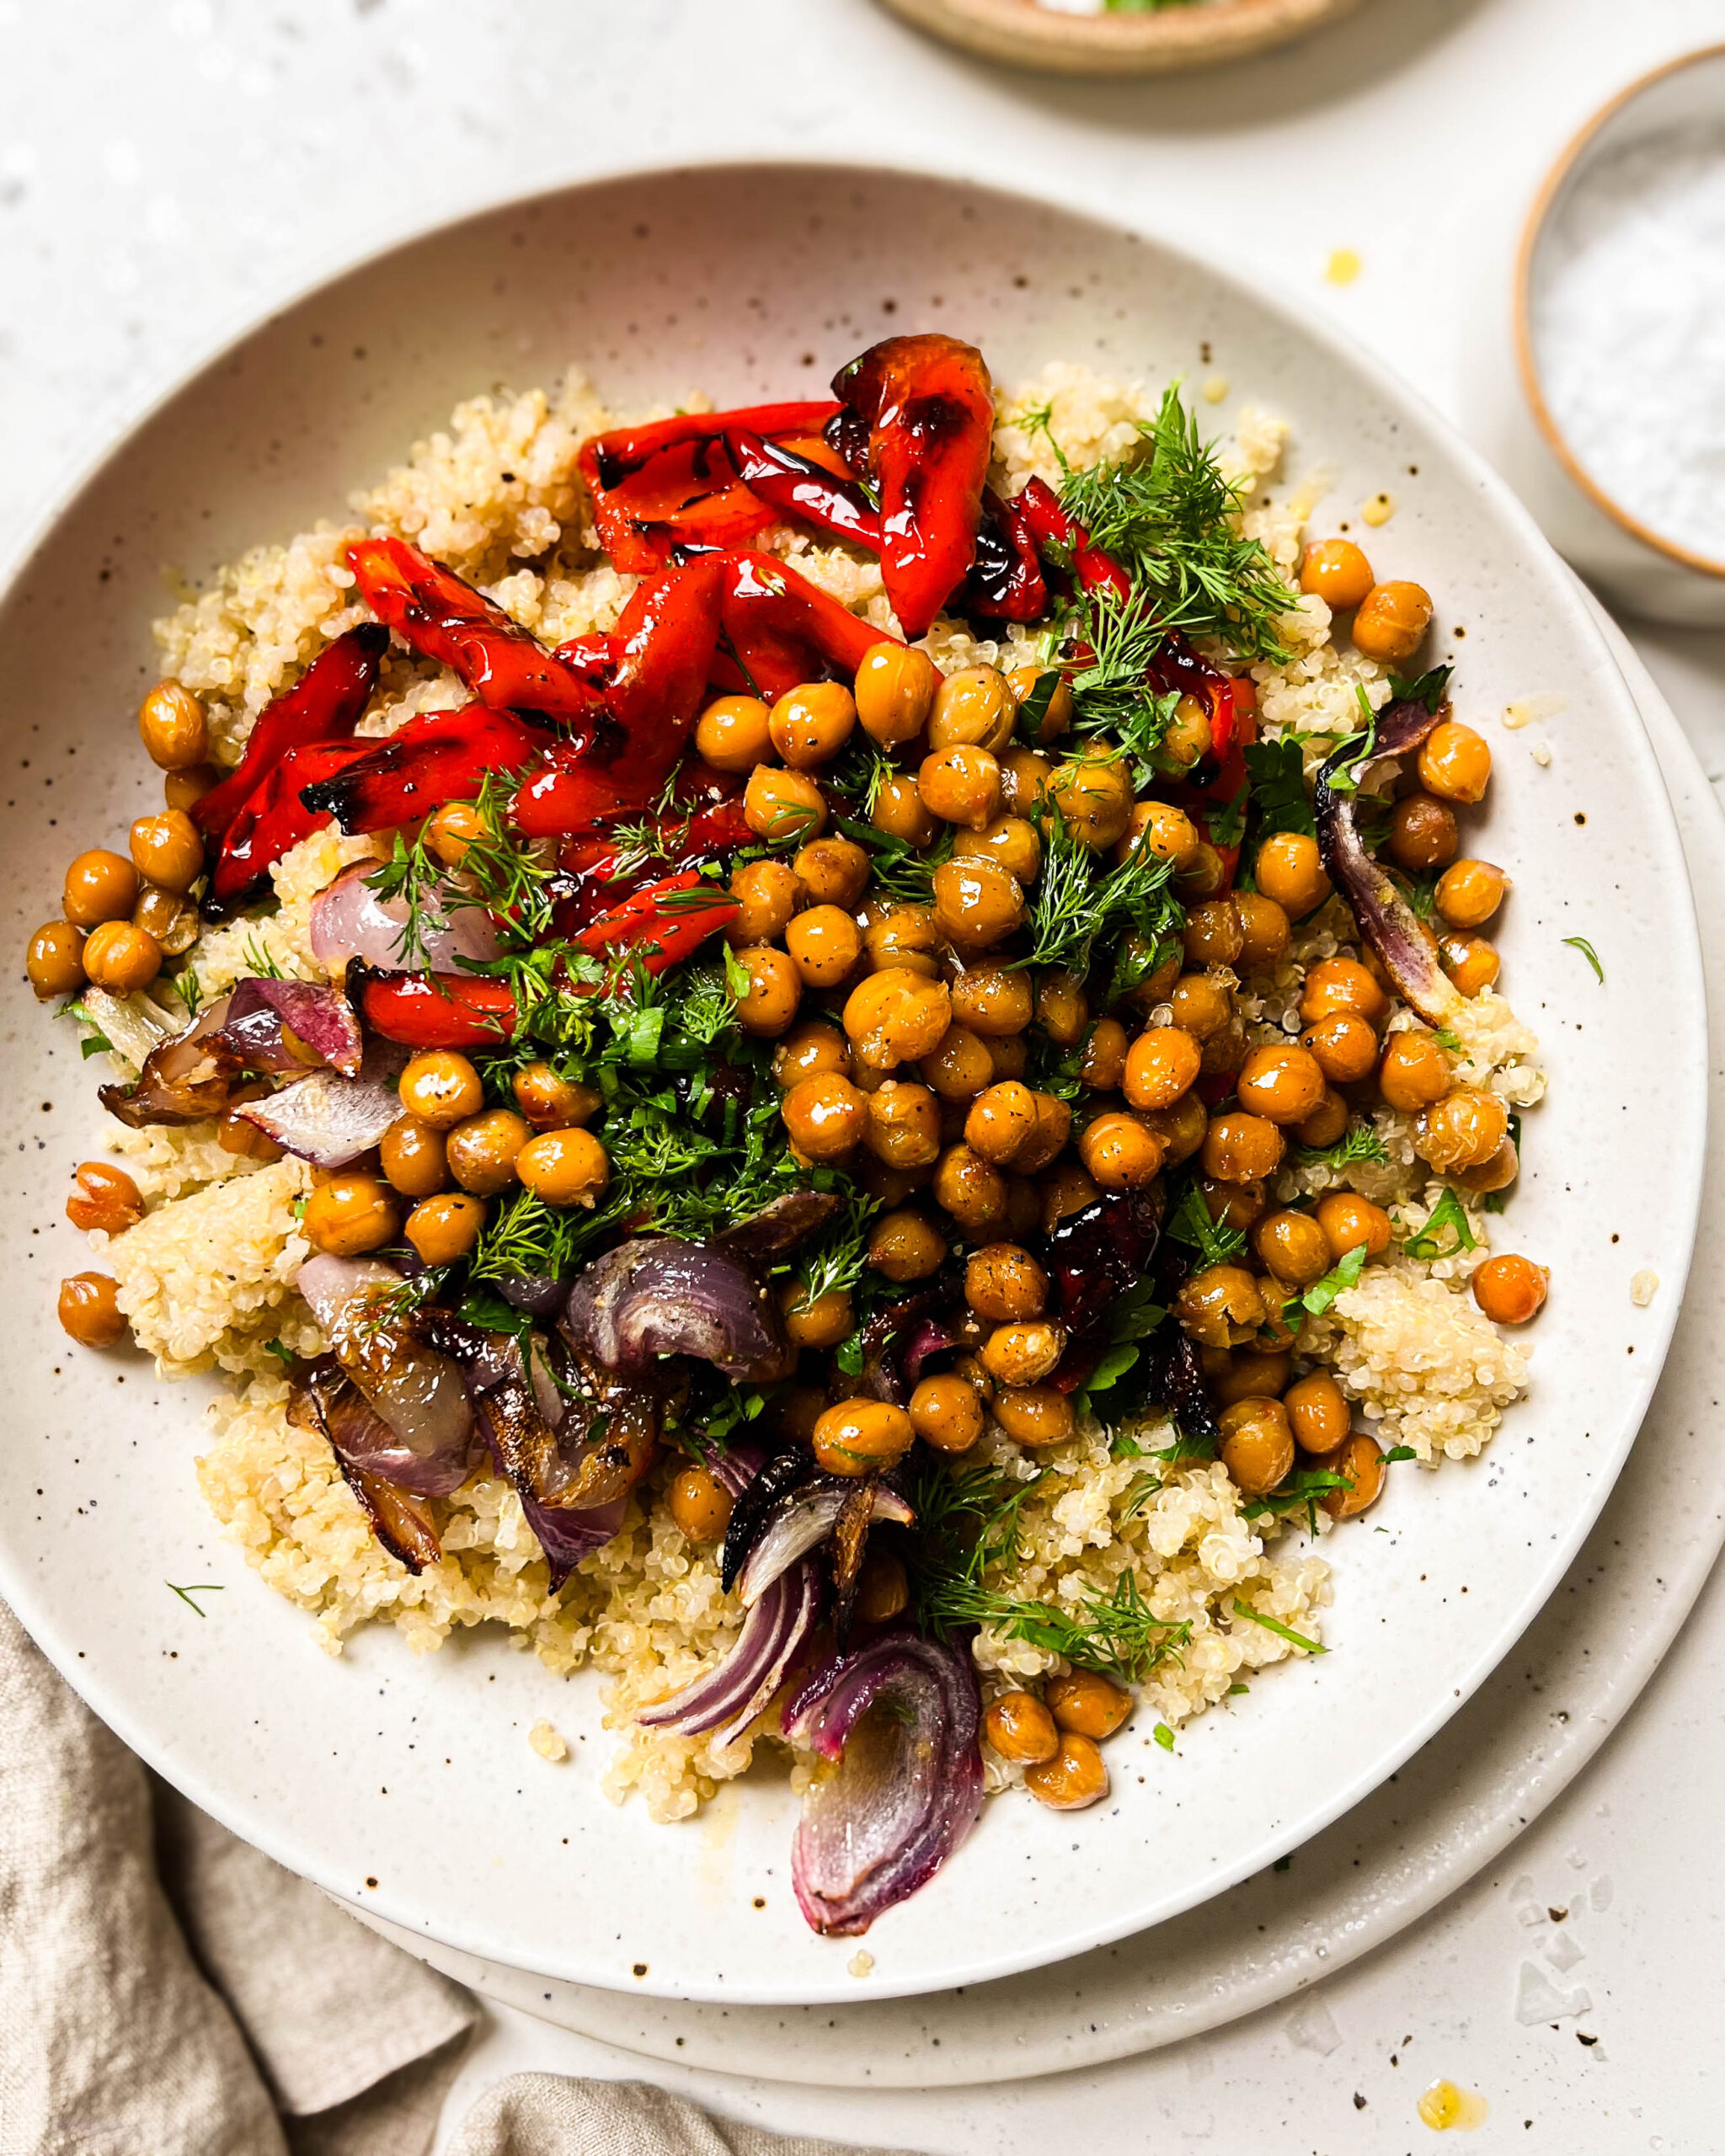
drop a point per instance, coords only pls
(1619, 446)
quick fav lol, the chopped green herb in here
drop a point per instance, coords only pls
(280, 1352)
(1164, 1736)
(1400, 1452)
(1301, 1491)
(1282, 1632)
(185, 1593)
(1276, 773)
(1079, 900)
(1234, 1689)
(1361, 1142)
(1027, 727)
(1427, 689)
(1318, 1298)
(1116, 1634)
(94, 1042)
(1445, 1234)
(1189, 1222)
(1580, 943)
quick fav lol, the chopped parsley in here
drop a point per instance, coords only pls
(1445, 1234)
(1427, 689)
(1281, 1630)
(1580, 943)
(1318, 1298)
(1275, 772)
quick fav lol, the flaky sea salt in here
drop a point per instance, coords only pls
(1628, 322)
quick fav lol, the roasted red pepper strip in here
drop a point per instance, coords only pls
(274, 819)
(1050, 526)
(440, 755)
(591, 861)
(929, 407)
(424, 1011)
(659, 925)
(795, 486)
(1007, 583)
(446, 619)
(568, 795)
(783, 631)
(325, 704)
(665, 641)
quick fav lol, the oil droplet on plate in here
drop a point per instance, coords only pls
(1342, 267)
(1445, 2106)
(1378, 510)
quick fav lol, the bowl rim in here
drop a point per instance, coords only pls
(1263, 289)
(1021, 33)
(1558, 177)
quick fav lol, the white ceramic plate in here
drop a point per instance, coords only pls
(406, 1784)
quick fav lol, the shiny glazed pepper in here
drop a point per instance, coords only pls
(325, 704)
(440, 756)
(780, 630)
(662, 924)
(273, 820)
(796, 486)
(664, 644)
(422, 1011)
(1006, 583)
(568, 795)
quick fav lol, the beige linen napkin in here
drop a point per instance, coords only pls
(165, 1990)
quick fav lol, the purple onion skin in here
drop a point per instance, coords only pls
(538, 1295)
(729, 1698)
(658, 1295)
(315, 1014)
(909, 1783)
(349, 920)
(568, 1537)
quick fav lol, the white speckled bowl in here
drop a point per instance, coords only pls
(406, 1784)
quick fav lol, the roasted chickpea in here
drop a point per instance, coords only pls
(1318, 1413)
(184, 789)
(976, 903)
(551, 1101)
(1360, 1462)
(1180, 1127)
(237, 1134)
(766, 895)
(1120, 1152)
(900, 811)
(1498, 1173)
(1280, 1080)
(820, 1323)
(174, 728)
(1341, 985)
(1203, 874)
(1455, 762)
(1161, 1065)
(1240, 1147)
(351, 1213)
(452, 831)
(809, 725)
(166, 849)
(891, 1187)
(699, 1503)
(1001, 1120)
(905, 936)
(947, 1413)
(1414, 1071)
(992, 1000)
(1336, 571)
(833, 871)
(1326, 1122)
(906, 1246)
(1188, 737)
(1214, 936)
(1093, 794)
(1202, 1004)
(1023, 1354)
(103, 1198)
(896, 1016)
(1472, 963)
(89, 1309)
(565, 1167)
(1057, 712)
(971, 1189)
(1009, 841)
(413, 1157)
(903, 1125)
(825, 944)
(1062, 1008)
(1509, 1290)
(1258, 1445)
(445, 1228)
(1469, 893)
(1035, 1415)
(974, 708)
(960, 786)
(1220, 1307)
(825, 1117)
(768, 1004)
(1290, 869)
(1025, 778)
(1075, 1778)
(1348, 1220)
(961, 1067)
(1238, 1205)
(1004, 1283)
(1392, 621)
(809, 1050)
(121, 958)
(1422, 834)
(859, 1436)
(1105, 1053)
(1066, 1190)
(1020, 1729)
(441, 1088)
(781, 807)
(166, 918)
(1263, 932)
(1462, 1130)
(896, 689)
(1053, 1126)
(1293, 1246)
(1344, 1046)
(55, 960)
(481, 1152)
(99, 886)
(1168, 833)
(1087, 1704)
(1245, 1373)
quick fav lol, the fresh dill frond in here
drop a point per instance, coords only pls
(1580, 943)
(1079, 899)
(1361, 1142)
(1189, 1222)
(527, 1236)
(902, 871)
(1110, 694)
(258, 959)
(707, 1008)
(1118, 1634)
(835, 1259)
(1276, 1624)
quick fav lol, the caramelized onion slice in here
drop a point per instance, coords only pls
(350, 920)
(730, 1696)
(657, 1295)
(417, 1391)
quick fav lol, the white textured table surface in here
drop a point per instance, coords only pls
(168, 170)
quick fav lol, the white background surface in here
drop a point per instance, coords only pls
(169, 167)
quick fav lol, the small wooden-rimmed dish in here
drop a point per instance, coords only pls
(1027, 34)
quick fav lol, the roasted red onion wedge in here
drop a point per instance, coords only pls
(350, 920)
(326, 1119)
(805, 1516)
(418, 1392)
(400, 1521)
(568, 1537)
(730, 1697)
(902, 1717)
(283, 1025)
(187, 1080)
(657, 1295)
(323, 1397)
(782, 1225)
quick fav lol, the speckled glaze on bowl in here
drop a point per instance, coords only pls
(406, 1784)
(1164, 42)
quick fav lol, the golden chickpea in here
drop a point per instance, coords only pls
(1010, 1052)
(809, 725)
(445, 1228)
(895, 689)
(1263, 932)
(732, 733)
(174, 728)
(1344, 1046)
(699, 1503)
(896, 1016)
(1214, 936)
(960, 786)
(351, 1213)
(1360, 1462)
(1245, 1373)
(1348, 1220)
(166, 849)
(961, 1067)
(1422, 834)
(1105, 1054)
(766, 895)
(1023, 1354)
(564, 1167)
(1073, 1779)
(1498, 1173)
(1391, 621)
(237, 1134)
(907, 936)
(1341, 985)
(820, 1323)
(971, 1189)
(768, 1004)
(1001, 1119)
(1180, 1127)
(1020, 1729)
(992, 1001)
(1258, 1445)
(481, 1152)
(1290, 869)
(1157, 828)
(1204, 875)
(1004, 1283)
(1161, 1065)
(1066, 1190)
(100, 886)
(860, 1436)
(1293, 1246)
(1462, 1130)
(184, 789)
(1221, 1306)
(783, 808)
(1510, 1289)
(1326, 1122)
(1472, 963)
(900, 811)
(551, 1101)
(826, 1118)
(1336, 571)
(121, 958)
(1025, 778)
(414, 1158)
(90, 1311)
(1240, 1147)
(811, 1050)
(976, 903)
(1009, 841)
(1062, 1008)
(1035, 1415)
(1455, 762)
(906, 1246)
(1414, 1071)
(1086, 1704)
(441, 1088)
(104, 1199)
(833, 871)
(166, 918)
(1120, 1152)
(55, 960)
(1057, 712)
(974, 708)
(946, 1413)
(1093, 794)
(1318, 1413)
(452, 831)
(1188, 737)
(1202, 1004)
(825, 944)
(1281, 1081)
(1053, 1126)
(1469, 893)
(903, 1125)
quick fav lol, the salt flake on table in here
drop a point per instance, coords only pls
(1537, 1998)
(1313, 2028)
(1561, 1951)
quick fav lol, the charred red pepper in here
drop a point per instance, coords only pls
(273, 820)
(780, 630)
(440, 755)
(663, 924)
(444, 617)
(1006, 583)
(796, 486)
(424, 1011)
(589, 862)
(568, 795)
(664, 644)
(1049, 526)
(672, 482)
(928, 405)
(325, 704)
